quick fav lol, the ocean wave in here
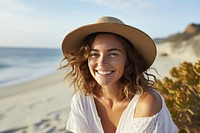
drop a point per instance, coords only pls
(3, 66)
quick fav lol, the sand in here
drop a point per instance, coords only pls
(42, 105)
(37, 106)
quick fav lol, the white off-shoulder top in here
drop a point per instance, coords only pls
(84, 118)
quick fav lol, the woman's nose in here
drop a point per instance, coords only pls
(103, 60)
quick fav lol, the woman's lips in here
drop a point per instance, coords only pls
(104, 72)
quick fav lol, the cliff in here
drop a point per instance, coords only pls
(192, 28)
(184, 42)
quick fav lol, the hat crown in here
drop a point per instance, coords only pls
(108, 19)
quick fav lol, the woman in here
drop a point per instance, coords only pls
(108, 62)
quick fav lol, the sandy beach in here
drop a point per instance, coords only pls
(42, 105)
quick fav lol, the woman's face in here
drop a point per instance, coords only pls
(107, 59)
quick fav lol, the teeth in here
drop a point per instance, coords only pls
(104, 72)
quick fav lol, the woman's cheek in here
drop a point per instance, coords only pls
(91, 62)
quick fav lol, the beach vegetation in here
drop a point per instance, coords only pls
(181, 92)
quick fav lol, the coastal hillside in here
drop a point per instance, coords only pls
(178, 63)
(183, 44)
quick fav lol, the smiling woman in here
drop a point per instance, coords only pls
(109, 61)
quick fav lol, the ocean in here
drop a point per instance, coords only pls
(23, 64)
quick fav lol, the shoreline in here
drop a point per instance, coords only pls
(31, 85)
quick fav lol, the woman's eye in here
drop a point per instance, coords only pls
(94, 55)
(113, 54)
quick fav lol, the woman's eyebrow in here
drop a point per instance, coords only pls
(109, 50)
(94, 50)
(114, 49)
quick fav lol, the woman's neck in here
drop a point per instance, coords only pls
(110, 93)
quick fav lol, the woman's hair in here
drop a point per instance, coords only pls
(134, 79)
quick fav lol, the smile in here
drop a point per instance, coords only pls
(104, 72)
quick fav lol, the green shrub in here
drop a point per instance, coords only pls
(182, 95)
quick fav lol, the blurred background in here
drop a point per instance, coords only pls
(45, 23)
(31, 34)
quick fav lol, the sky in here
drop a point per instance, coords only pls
(44, 23)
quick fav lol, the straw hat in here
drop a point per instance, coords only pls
(140, 40)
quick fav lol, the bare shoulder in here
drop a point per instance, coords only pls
(149, 104)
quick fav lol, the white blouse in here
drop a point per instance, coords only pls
(84, 118)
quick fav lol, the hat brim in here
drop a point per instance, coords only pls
(140, 40)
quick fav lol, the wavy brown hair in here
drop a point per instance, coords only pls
(134, 79)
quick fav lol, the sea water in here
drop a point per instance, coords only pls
(22, 64)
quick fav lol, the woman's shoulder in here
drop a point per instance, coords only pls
(79, 99)
(149, 104)
(78, 95)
